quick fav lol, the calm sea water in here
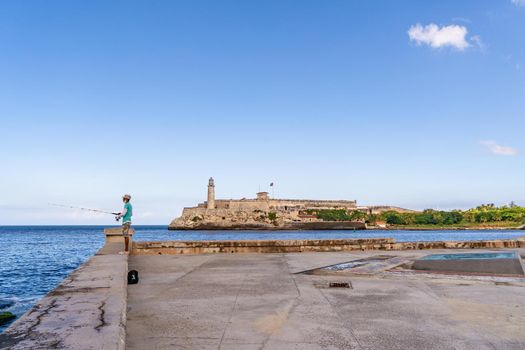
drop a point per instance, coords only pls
(34, 259)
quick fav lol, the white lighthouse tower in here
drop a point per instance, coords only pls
(211, 194)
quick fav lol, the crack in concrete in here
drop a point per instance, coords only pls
(54, 345)
(41, 315)
(40, 340)
(67, 290)
(101, 316)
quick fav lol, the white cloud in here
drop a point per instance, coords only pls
(435, 36)
(499, 150)
(518, 2)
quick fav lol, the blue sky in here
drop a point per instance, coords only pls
(409, 103)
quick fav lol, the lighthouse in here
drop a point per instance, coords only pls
(211, 194)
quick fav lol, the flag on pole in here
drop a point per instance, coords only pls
(271, 184)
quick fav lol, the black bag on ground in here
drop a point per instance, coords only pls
(133, 277)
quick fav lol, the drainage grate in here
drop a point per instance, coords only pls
(340, 285)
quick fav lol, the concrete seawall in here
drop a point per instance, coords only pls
(86, 311)
(293, 246)
(89, 309)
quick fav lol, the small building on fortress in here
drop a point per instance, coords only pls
(264, 212)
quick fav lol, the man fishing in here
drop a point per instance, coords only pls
(126, 214)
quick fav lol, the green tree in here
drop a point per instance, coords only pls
(333, 215)
(393, 218)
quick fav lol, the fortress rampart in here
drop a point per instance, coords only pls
(266, 213)
(279, 204)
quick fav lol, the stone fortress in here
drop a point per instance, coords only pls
(266, 213)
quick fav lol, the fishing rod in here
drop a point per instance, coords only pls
(87, 209)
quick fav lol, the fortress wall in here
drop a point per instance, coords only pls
(252, 212)
(186, 212)
(249, 205)
(314, 203)
(277, 204)
(191, 212)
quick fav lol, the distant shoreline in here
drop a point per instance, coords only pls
(444, 228)
(342, 227)
(238, 228)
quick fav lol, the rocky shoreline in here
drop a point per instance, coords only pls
(294, 226)
(480, 228)
(318, 226)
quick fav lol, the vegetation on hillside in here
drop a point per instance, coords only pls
(272, 216)
(338, 214)
(487, 214)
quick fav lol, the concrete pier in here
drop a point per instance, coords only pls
(277, 295)
(263, 301)
(86, 311)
